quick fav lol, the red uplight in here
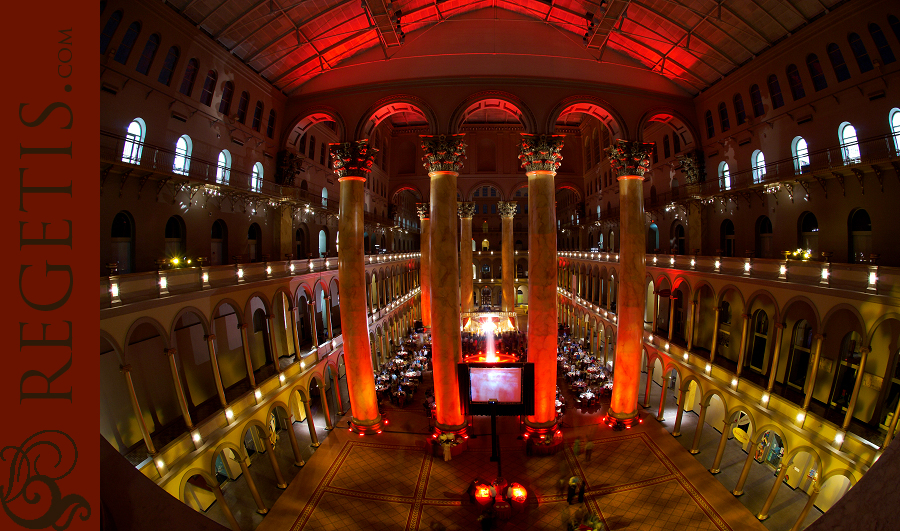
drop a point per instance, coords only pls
(483, 494)
(386, 422)
(379, 431)
(526, 436)
(518, 493)
(465, 436)
(360, 434)
(434, 435)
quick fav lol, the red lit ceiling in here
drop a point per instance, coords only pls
(691, 42)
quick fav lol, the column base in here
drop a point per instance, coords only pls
(263, 511)
(660, 419)
(737, 493)
(543, 440)
(676, 434)
(299, 463)
(623, 423)
(714, 471)
(367, 428)
(282, 486)
(694, 452)
(762, 517)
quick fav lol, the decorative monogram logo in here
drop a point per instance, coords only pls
(34, 468)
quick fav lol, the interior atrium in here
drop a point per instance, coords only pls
(685, 190)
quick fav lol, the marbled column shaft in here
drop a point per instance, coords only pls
(466, 289)
(629, 160)
(445, 335)
(542, 309)
(507, 211)
(540, 157)
(352, 276)
(425, 261)
(444, 156)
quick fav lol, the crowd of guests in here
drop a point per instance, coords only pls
(401, 375)
(586, 376)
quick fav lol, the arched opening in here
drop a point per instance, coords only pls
(218, 251)
(726, 232)
(254, 243)
(860, 244)
(122, 242)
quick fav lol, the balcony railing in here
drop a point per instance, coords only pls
(116, 290)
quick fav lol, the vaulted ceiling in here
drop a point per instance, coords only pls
(693, 43)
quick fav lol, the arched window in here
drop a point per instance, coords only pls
(759, 166)
(653, 238)
(800, 151)
(859, 52)
(795, 83)
(223, 167)
(270, 126)
(190, 75)
(218, 253)
(256, 177)
(131, 35)
(227, 94)
(168, 67)
(323, 149)
(756, 101)
(323, 244)
(895, 25)
(122, 240)
(112, 24)
(724, 175)
(242, 107)
(727, 237)
(837, 62)
(134, 141)
(183, 148)
(881, 43)
(894, 119)
(764, 237)
(798, 357)
(723, 117)
(860, 236)
(325, 197)
(257, 115)
(254, 242)
(666, 151)
(679, 239)
(312, 148)
(849, 143)
(740, 115)
(208, 87)
(775, 91)
(808, 237)
(146, 60)
(845, 373)
(596, 144)
(676, 143)
(760, 324)
(710, 126)
(815, 72)
(174, 236)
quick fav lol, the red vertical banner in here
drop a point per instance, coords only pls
(49, 393)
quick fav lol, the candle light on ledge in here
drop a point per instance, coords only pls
(257, 394)
(765, 398)
(801, 416)
(196, 436)
(281, 378)
(708, 368)
(229, 414)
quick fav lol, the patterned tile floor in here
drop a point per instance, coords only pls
(640, 479)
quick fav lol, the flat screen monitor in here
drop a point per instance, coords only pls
(500, 384)
(503, 388)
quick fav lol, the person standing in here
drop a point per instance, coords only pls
(588, 450)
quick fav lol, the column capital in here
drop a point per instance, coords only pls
(242, 326)
(779, 325)
(209, 337)
(169, 351)
(540, 152)
(507, 209)
(818, 337)
(125, 368)
(629, 159)
(864, 350)
(443, 152)
(465, 210)
(352, 160)
(424, 210)
(691, 166)
(746, 316)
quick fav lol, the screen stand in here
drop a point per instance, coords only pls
(495, 439)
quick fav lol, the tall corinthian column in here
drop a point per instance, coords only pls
(352, 162)
(444, 156)
(629, 161)
(540, 156)
(466, 211)
(507, 212)
(424, 210)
